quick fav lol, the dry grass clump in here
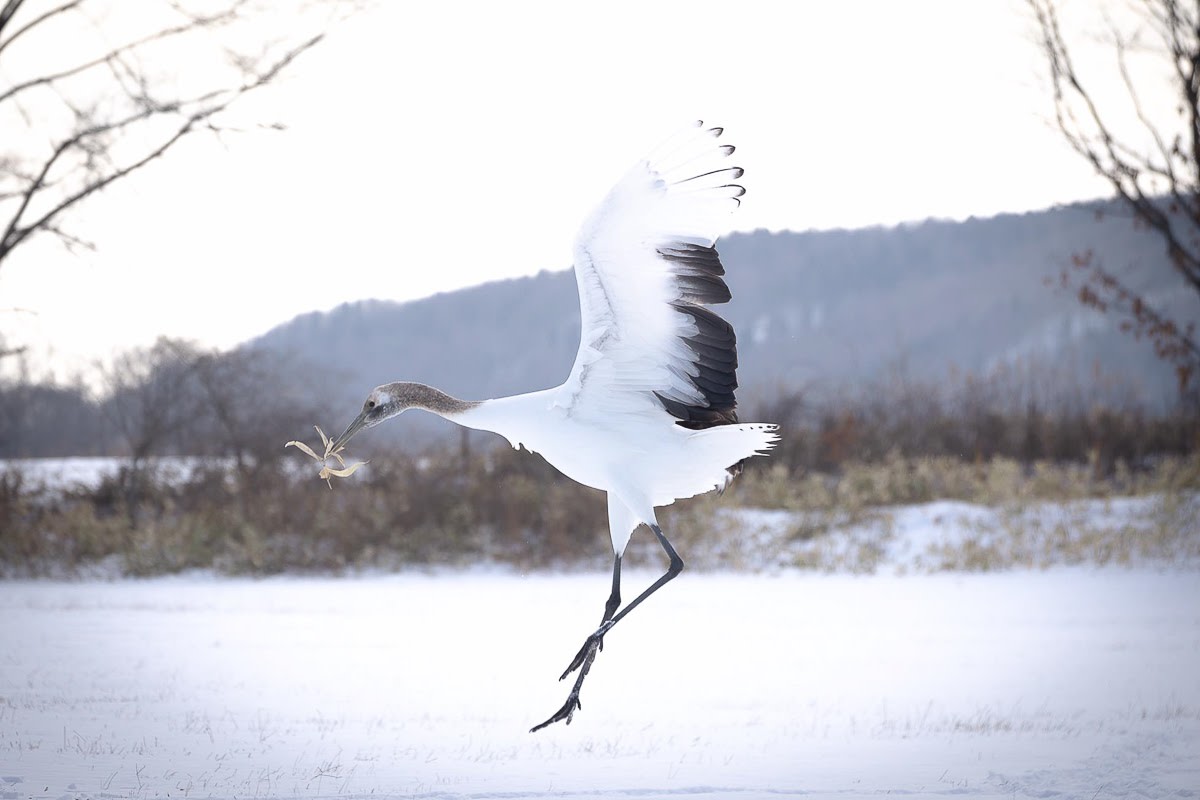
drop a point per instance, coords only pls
(1034, 515)
(1074, 533)
(451, 507)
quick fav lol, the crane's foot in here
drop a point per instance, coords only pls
(563, 714)
(587, 654)
(582, 662)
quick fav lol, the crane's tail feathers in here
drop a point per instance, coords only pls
(753, 438)
(726, 447)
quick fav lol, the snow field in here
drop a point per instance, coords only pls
(1075, 682)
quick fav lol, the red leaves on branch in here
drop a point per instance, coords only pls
(1105, 292)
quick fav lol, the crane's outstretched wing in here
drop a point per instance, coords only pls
(646, 267)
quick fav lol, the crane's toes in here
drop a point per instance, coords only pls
(582, 662)
(587, 654)
(566, 713)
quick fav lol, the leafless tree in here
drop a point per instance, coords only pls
(150, 396)
(125, 84)
(252, 403)
(176, 398)
(1153, 165)
(151, 401)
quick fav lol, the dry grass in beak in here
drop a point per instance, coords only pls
(327, 471)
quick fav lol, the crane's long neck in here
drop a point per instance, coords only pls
(407, 395)
(503, 416)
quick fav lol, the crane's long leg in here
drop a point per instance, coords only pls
(614, 599)
(595, 642)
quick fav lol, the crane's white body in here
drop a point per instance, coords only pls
(648, 413)
(641, 460)
(606, 426)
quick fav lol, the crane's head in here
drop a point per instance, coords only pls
(384, 402)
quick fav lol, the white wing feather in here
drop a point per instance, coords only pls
(632, 342)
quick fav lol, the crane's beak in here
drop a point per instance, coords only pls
(359, 423)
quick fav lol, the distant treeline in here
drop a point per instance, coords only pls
(173, 398)
(1026, 413)
(466, 505)
(178, 399)
(258, 507)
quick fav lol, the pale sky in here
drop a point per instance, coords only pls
(439, 146)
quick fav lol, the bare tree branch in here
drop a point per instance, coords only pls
(83, 158)
(7, 12)
(72, 241)
(1160, 185)
(1167, 169)
(116, 52)
(16, 233)
(33, 23)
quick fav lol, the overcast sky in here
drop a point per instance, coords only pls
(434, 147)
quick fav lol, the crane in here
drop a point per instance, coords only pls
(648, 413)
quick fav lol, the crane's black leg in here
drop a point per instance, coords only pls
(614, 598)
(587, 654)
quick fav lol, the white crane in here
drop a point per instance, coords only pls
(648, 412)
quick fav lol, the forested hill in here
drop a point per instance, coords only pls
(822, 311)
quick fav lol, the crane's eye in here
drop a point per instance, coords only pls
(370, 404)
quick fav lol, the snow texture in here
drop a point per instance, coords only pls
(1071, 682)
(929, 537)
(88, 472)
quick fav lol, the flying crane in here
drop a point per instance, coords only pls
(648, 413)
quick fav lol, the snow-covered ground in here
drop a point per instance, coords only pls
(1071, 682)
(89, 471)
(1149, 530)
(63, 473)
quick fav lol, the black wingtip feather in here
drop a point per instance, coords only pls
(697, 269)
(715, 371)
(698, 272)
(692, 259)
(735, 173)
(697, 417)
(713, 355)
(707, 289)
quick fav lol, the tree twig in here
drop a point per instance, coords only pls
(195, 111)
